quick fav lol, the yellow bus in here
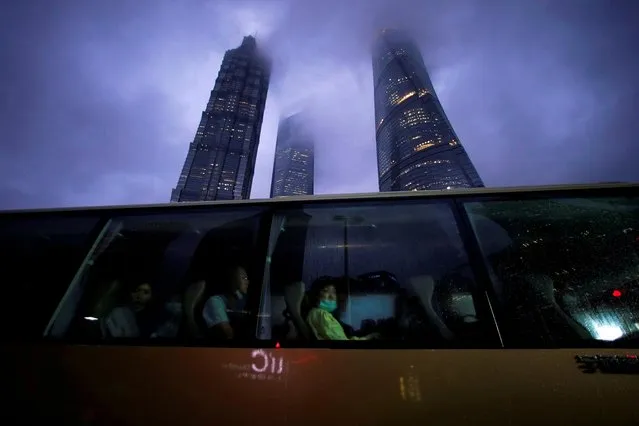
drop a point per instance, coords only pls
(513, 306)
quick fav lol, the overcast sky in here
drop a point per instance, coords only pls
(100, 99)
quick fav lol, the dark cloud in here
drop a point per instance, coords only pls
(99, 100)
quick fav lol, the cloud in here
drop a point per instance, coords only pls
(99, 101)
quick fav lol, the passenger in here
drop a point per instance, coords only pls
(323, 299)
(134, 318)
(173, 318)
(225, 314)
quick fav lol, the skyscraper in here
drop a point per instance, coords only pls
(417, 147)
(294, 166)
(221, 159)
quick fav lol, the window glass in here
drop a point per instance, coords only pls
(371, 271)
(39, 258)
(564, 270)
(180, 276)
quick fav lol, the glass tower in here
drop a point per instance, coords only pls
(417, 147)
(221, 159)
(294, 166)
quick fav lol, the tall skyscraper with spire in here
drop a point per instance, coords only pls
(417, 147)
(221, 159)
(294, 166)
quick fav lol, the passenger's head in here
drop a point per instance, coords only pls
(140, 295)
(238, 281)
(324, 294)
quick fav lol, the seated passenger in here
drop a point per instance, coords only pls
(134, 318)
(173, 318)
(225, 314)
(323, 299)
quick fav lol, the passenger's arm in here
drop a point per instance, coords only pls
(216, 318)
(327, 327)
(167, 329)
(372, 336)
(115, 323)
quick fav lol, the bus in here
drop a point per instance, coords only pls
(465, 306)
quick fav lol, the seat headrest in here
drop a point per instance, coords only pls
(423, 286)
(541, 287)
(294, 295)
(193, 295)
(107, 300)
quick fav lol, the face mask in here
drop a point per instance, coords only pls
(328, 305)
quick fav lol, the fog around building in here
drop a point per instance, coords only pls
(99, 100)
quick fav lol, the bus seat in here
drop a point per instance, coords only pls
(108, 300)
(424, 288)
(541, 289)
(192, 297)
(294, 296)
(102, 301)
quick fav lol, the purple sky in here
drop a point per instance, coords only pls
(100, 99)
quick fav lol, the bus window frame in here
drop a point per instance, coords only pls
(478, 266)
(483, 305)
(483, 267)
(77, 277)
(262, 242)
(261, 247)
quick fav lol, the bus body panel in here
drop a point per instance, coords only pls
(196, 386)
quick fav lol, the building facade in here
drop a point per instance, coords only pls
(417, 148)
(221, 159)
(294, 165)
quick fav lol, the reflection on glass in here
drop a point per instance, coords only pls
(562, 269)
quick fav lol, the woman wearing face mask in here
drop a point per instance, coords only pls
(225, 314)
(320, 318)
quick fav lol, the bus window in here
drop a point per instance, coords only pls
(154, 276)
(391, 271)
(564, 270)
(39, 257)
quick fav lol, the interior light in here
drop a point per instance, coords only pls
(277, 345)
(608, 332)
(616, 293)
(90, 318)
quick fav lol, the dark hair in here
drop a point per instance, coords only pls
(232, 269)
(131, 285)
(228, 277)
(313, 294)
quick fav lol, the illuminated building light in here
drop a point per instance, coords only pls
(422, 146)
(403, 98)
